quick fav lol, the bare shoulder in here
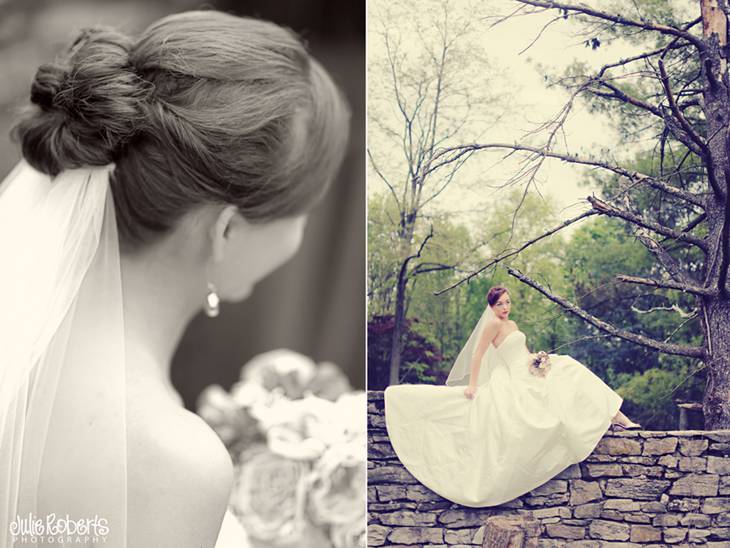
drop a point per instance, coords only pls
(179, 477)
(491, 328)
(513, 323)
(493, 323)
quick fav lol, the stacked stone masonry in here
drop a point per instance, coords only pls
(637, 488)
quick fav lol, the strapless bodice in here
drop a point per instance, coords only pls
(513, 349)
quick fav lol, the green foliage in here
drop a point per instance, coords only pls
(420, 359)
(650, 397)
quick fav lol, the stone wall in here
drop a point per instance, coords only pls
(638, 488)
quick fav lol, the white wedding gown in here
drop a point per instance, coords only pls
(232, 533)
(517, 433)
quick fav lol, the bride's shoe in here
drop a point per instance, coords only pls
(619, 426)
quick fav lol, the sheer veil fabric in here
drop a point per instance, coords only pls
(460, 373)
(62, 361)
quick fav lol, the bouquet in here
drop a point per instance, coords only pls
(296, 433)
(540, 364)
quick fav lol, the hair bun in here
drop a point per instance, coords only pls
(89, 104)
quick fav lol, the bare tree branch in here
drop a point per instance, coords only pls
(670, 264)
(383, 178)
(446, 156)
(517, 251)
(666, 284)
(689, 130)
(619, 19)
(667, 348)
(612, 211)
(673, 308)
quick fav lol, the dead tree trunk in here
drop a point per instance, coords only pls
(716, 308)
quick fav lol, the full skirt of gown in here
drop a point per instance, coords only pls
(518, 432)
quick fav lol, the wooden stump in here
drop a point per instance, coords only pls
(511, 532)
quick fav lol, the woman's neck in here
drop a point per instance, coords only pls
(161, 296)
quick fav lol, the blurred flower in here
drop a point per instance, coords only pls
(338, 485)
(232, 424)
(298, 438)
(268, 495)
(350, 535)
(329, 382)
(283, 370)
(295, 375)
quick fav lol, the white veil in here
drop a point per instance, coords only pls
(62, 361)
(461, 370)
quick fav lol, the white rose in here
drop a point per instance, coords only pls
(350, 535)
(282, 370)
(268, 496)
(338, 483)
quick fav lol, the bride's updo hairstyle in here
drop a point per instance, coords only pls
(202, 107)
(495, 293)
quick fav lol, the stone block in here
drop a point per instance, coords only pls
(636, 488)
(592, 510)
(584, 491)
(380, 451)
(618, 446)
(377, 535)
(421, 493)
(637, 518)
(460, 536)
(645, 533)
(692, 464)
(695, 520)
(633, 470)
(724, 486)
(718, 465)
(609, 530)
(565, 531)
(407, 518)
(692, 447)
(670, 461)
(387, 493)
(416, 535)
(553, 511)
(666, 520)
(552, 487)
(548, 500)
(571, 472)
(674, 535)
(718, 533)
(653, 507)
(683, 505)
(696, 485)
(599, 470)
(660, 446)
(464, 517)
(622, 505)
(716, 505)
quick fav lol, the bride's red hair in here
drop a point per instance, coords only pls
(495, 293)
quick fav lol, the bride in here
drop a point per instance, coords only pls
(520, 420)
(162, 173)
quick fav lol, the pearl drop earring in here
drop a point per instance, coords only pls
(212, 305)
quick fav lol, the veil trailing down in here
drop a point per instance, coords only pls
(519, 431)
(62, 360)
(461, 370)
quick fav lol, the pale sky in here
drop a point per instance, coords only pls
(521, 81)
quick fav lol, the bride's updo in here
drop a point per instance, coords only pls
(494, 294)
(202, 107)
